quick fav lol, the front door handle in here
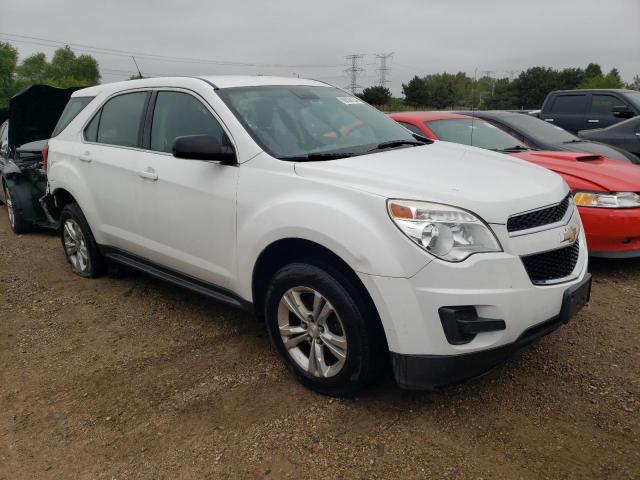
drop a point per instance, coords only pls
(149, 174)
(593, 121)
(548, 119)
(85, 156)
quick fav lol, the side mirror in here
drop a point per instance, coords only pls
(203, 147)
(622, 111)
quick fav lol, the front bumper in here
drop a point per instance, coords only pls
(613, 233)
(431, 372)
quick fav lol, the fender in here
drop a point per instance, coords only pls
(352, 224)
(23, 196)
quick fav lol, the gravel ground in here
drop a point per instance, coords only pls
(121, 378)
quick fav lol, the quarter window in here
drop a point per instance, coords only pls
(119, 121)
(177, 114)
(603, 104)
(569, 104)
(412, 128)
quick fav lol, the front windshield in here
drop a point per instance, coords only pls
(537, 129)
(634, 97)
(298, 121)
(474, 132)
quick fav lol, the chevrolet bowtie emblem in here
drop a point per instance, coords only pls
(569, 235)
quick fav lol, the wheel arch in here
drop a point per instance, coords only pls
(288, 250)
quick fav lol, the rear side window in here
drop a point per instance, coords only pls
(176, 114)
(569, 104)
(603, 104)
(74, 106)
(119, 121)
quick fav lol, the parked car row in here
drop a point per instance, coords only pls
(605, 190)
(358, 241)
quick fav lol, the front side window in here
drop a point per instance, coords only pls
(477, 133)
(603, 104)
(74, 106)
(177, 114)
(119, 121)
(290, 122)
(569, 104)
(412, 128)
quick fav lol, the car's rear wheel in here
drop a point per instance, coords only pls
(16, 222)
(80, 247)
(318, 323)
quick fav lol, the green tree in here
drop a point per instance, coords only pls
(377, 95)
(8, 61)
(67, 70)
(415, 92)
(570, 78)
(608, 81)
(635, 84)
(592, 70)
(33, 69)
(533, 85)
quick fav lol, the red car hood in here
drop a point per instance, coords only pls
(610, 175)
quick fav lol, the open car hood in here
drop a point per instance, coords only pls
(34, 112)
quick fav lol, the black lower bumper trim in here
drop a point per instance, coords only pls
(433, 372)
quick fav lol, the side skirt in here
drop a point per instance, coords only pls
(185, 281)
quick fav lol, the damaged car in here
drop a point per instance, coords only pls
(35, 114)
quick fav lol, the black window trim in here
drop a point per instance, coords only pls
(152, 106)
(147, 117)
(605, 94)
(585, 108)
(98, 111)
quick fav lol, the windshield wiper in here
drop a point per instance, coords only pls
(515, 148)
(395, 143)
(314, 157)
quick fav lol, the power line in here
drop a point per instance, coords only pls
(125, 53)
(353, 70)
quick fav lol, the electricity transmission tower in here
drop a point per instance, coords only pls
(512, 73)
(489, 73)
(354, 62)
(384, 70)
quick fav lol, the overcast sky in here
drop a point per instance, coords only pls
(312, 38)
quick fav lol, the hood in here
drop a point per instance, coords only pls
(489, 184)
(609, 175)
(34, 112)
(608, 151)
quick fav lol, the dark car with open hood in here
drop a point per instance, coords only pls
(35, 114)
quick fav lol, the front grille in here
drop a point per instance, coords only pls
(538, 218)
(548, 266)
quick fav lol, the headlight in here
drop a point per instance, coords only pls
(607, 200)
(447, 232)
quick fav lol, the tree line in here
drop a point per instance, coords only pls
(526, 91)
(64, 70)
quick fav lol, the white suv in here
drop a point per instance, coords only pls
(356, 241)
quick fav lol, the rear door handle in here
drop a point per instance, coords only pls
(85, 157)
(548, 119)
(149, 174)
(593, 121)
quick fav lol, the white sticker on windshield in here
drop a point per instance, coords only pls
(350, 100)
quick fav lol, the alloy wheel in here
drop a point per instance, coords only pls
(75, 246)
(312, 332)
(9, 202)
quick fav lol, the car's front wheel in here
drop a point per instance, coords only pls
(319, 323)
(80, 248)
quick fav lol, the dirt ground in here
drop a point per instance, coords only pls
(122, 378)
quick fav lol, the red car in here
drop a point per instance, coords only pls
(606, 191)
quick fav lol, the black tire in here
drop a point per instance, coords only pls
(95, 264)
(364, 352)
(16, 221)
